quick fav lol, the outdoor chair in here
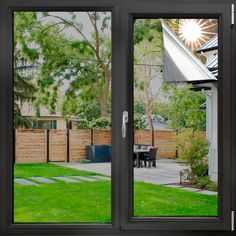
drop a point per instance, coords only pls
(150, 157)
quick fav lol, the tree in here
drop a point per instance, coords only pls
(183, 110)
(85, 62)
(24, 66)
(148, 57)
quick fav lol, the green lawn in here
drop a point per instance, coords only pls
(91, 201)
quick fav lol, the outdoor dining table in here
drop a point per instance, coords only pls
(137, 151)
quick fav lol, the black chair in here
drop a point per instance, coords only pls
(150, 157)
(136, 146)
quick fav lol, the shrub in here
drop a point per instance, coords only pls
(192, 150)
(101, 123)
(206, 183)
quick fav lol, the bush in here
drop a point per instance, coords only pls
(205, 183)
(192, 150)
(101, 123)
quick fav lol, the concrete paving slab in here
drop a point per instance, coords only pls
(25, 182)
(101, 177)
(43, 180)
(173, 186)
(66, 180)
(207, 192)
(191, 189)
(85, 178)
(167, 171)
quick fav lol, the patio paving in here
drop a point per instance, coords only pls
(167, 171)
(84, 178)
(66, 180)
(43, 180)
(25, 182)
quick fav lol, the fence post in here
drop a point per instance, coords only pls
(91, 136)
(14, 146)
(153, 137)
(176, 152)
(47, 145)
(68, 145)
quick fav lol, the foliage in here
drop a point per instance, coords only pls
(139, 108)
(101, 123)
(192, 150)
(144, 28)
(183, 110)
(148, 63)
(205, 183)
(24, 66)
(139, 122)
(84, 62)
(83, 123)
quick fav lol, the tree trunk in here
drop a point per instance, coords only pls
(102, 105)
(150, 122)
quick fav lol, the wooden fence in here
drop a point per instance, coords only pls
(41, 146)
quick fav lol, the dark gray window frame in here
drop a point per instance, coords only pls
(122, 220)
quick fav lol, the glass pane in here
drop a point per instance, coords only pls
(62, 117)
(175, 117)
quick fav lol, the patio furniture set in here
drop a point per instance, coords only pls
(144, 154)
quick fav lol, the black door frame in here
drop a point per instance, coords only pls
(122, 13)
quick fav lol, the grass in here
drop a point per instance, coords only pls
(91, 201)
(155, 200)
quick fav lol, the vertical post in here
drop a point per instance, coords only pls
(91, 141)
(153, 137)
(176, 150)
(14, 145)
(68, 145)
(47, 144)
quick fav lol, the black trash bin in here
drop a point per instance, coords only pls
(98, 153)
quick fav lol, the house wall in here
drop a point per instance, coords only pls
(212, 132)
(61, 123)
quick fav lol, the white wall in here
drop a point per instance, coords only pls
(212, 131)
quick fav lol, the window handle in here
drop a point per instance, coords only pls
(125, 120)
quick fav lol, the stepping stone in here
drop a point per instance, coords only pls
(84, 178)
(191, 189)
(25, 182)
(102, 177)
(66, 180)
(207, 192)
(173, 186)
(43, 180)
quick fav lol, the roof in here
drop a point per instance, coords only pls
(212, 44)
(180, 64)
(212, 65)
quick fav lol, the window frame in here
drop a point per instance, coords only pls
(122, 13)
(221, 12)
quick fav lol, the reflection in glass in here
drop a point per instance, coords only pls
(62, 117)
(175, 117)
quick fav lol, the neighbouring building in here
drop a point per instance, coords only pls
(47, 120)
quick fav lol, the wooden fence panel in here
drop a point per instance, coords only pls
(101, 137)
(78, 141)
(57, 145)
(30, 146)
(165, 141)
(143, 137)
